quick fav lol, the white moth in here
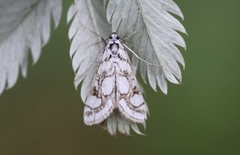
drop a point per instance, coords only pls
(115, 95)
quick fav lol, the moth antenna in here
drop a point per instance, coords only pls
(140, 57)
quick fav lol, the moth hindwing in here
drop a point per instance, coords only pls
(115, 88)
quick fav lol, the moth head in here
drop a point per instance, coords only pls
(114, 36)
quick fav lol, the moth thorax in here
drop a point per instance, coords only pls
(114, 49)
(114, 53)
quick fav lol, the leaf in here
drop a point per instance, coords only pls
(155, 39)
(24, 26)
(88, 21)
(117, 122)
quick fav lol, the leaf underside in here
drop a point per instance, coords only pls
(24, 27)
(149, 30)
(151, 33)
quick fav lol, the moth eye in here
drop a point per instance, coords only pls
(110, 37)
(117, 37)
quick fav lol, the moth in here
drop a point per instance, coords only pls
(115, 96)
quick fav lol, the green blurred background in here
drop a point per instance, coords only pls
(42, 114)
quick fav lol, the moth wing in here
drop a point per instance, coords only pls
(101, 100)
(130, 100)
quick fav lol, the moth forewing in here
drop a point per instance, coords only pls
(131, 103)
(100, 102)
